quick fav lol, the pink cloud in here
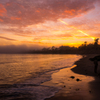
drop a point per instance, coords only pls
(6, 38)
(23, 12)
(15, 18)
(19, 32)
(1, 20)
(2, 10)
(64, 35)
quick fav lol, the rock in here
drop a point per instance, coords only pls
(78, 79)
(90, 91)
(72, 77)
(70, 88)
(77, 89)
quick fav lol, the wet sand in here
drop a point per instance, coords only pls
(78, 82)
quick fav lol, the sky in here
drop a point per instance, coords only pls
(45, 23)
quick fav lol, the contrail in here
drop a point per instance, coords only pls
(77, 29)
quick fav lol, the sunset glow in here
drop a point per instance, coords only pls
(42, 23)
(78, 30)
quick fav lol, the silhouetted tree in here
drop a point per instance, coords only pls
(53, 47)
(85, 43)
(96, 41)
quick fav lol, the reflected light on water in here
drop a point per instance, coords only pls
(15, 68)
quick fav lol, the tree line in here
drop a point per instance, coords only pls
(92, 48)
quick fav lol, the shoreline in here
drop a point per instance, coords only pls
(87, 88)
(78, 82)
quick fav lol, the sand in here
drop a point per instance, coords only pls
(78, 82)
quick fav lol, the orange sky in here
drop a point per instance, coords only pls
(36, 22)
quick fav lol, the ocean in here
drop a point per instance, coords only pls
(21, 75)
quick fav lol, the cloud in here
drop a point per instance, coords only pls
(1, 20)
(28, 12)
(96, 35)
(2, 10)
(15, 18)
(7, 38)
(79, 37)
(28, 32)
(19, 32)
(64, 35)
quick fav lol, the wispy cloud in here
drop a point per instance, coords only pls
(8, 38)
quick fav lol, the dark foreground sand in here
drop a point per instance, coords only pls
(78, 82)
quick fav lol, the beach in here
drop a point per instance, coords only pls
(78, 82)
(62, 77)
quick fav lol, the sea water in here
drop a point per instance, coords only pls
(21, 75)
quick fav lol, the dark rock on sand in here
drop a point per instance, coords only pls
(64, 86)
(72, 77)
(78, 79)
(90, 91)
(77, 89)
(70, 88)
